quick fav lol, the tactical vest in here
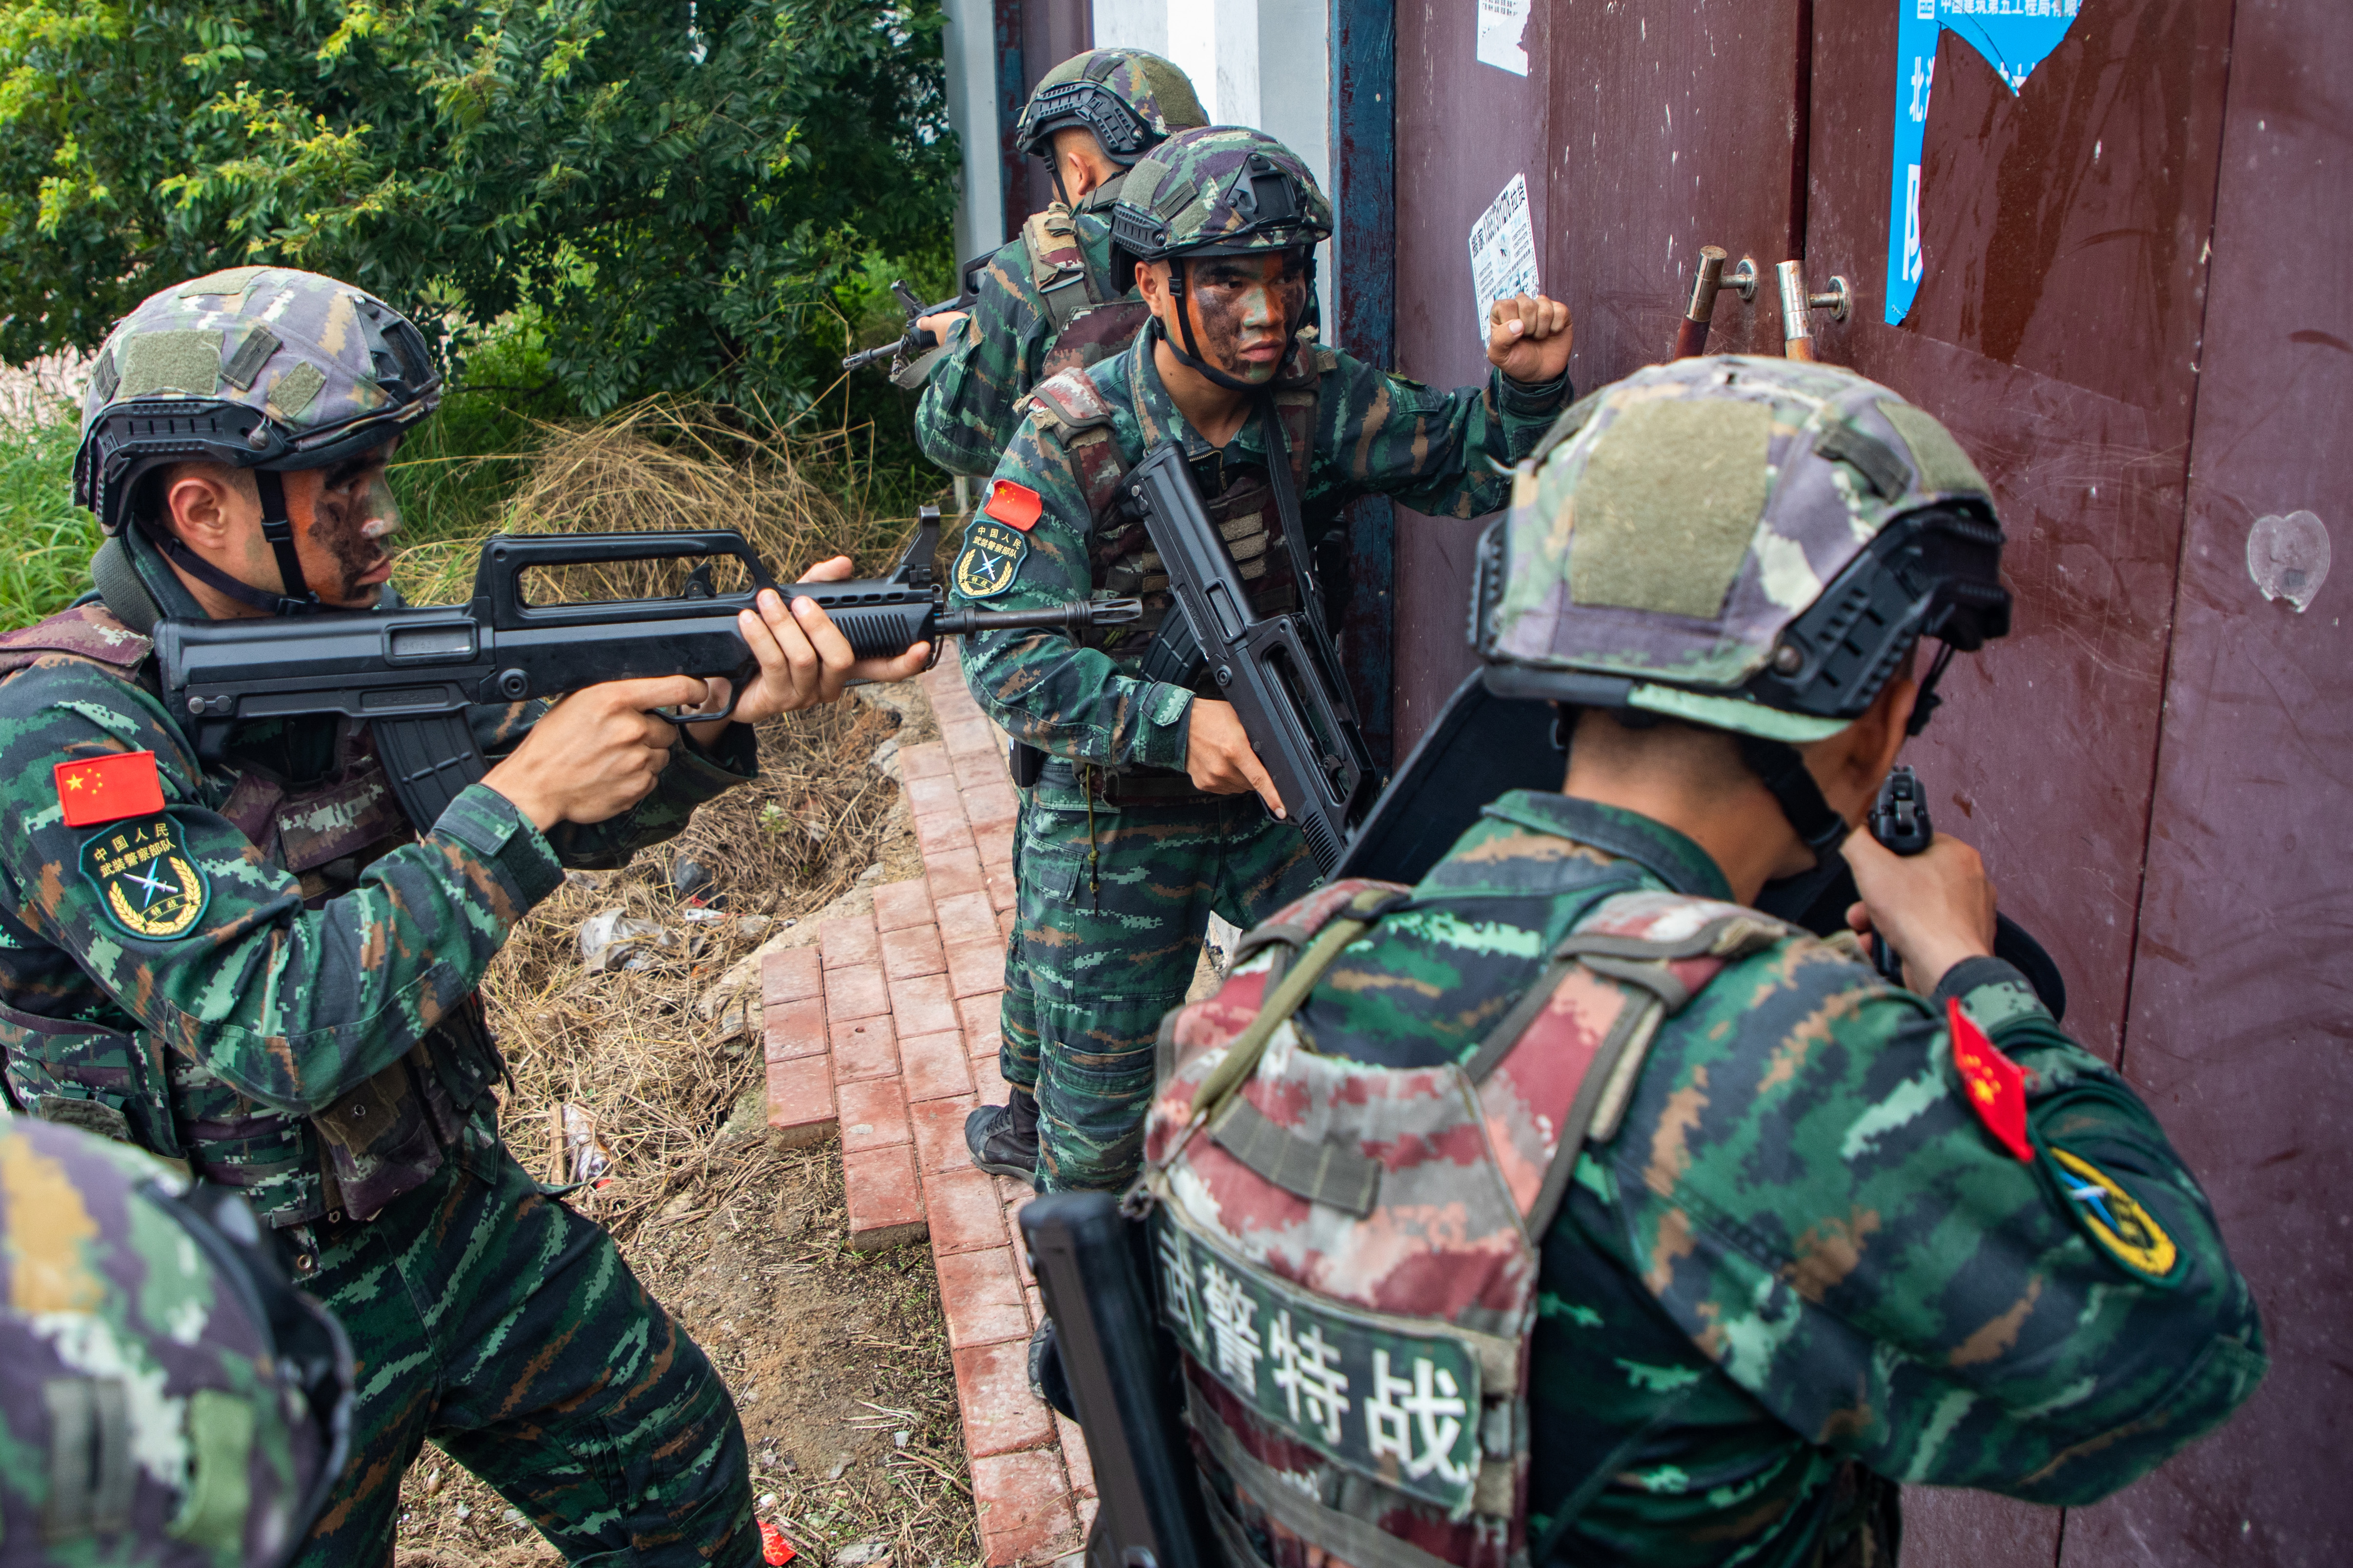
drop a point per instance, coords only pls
(1241, 502)
(382, 1139)
(1088, 318)
(1347, 1253)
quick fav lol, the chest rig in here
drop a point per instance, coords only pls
(1088, 318)
(88, 1063)
(1347, 1253)
(1241, 501)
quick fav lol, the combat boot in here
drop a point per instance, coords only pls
(1004, 1138)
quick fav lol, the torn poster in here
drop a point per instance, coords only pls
(1502, 25)
(2014, 36)
(1503, 251)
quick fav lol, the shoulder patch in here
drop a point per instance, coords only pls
(1015, 505)
(92, 790)
(2115, 1220)
(991, 559)
(148, 884)
(1071, 401)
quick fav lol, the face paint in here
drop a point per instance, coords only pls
(350, 523)
(1241, 307)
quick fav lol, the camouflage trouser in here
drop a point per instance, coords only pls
(1108, 946)
(507, 1327)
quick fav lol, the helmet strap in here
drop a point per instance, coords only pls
(1782, 772)
(297, 600)
(1924, 706)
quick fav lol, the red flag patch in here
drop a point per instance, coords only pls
(107, 789)
(1015, 506)
(1997, 1086)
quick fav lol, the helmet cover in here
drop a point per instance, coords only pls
(1129, 98)
(1748, 543)
(1222, 190)
(258, 367)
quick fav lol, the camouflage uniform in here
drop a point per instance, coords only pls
(1797, 1236)
(271, 979)
(1115, 894)
(166, 1397)
(1048, 300)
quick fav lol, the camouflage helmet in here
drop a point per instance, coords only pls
(258, 367)
(1749, 545)
(1221, 190)
(165, 1397)
(1129, 98)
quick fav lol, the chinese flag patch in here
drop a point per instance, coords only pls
(1015, 506)
(1997, 1086)
(107, 789)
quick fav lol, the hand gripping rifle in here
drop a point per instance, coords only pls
(414, 672)
(1280, 673)
(917, 341)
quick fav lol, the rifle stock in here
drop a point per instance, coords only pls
(414, 673)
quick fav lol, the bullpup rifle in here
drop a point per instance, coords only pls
(415, 672)
(1280, 672)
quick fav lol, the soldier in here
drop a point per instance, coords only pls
(1050, 301)
(165, 1397)
(253, 963)
(1141, 821)
(1564, 1208)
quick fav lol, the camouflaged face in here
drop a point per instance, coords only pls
(1193, 192)
(1675, 522)
(311, 353)
(138, 1398)
(1160, 94)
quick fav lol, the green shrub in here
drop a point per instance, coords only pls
(45, 558)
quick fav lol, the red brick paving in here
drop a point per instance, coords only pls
(888, 1030)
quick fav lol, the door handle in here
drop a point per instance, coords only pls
(1797, 305)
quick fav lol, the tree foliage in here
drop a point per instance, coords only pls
(690, 197)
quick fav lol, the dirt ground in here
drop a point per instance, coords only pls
(838, 1360)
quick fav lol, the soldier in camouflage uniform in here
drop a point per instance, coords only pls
(252, 964)
(165, 1397)
(1564, 1208)
(1141, 822)
(1048, 300)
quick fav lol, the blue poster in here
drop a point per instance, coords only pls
(2014, 36)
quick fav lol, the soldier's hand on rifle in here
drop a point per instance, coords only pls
(1528, 338)
(803, 658)
(941, 325)
(1218, 755)
(597, 753)
(1935, 908)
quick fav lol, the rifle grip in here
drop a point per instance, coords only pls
(430, 760)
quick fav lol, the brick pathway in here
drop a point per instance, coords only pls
(887, 1030)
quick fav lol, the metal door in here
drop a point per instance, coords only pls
(1646, 129)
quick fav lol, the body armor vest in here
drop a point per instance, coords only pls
(1347, 1253)
(97, 1068)
(1239, 501)
(1087, 321)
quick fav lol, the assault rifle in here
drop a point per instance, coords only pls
(414, 672)
(1120, 1372)
(917, 340)
(1280, 672)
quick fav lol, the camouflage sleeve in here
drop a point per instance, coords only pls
(971, 402)
(1447, 453)
(292, 1007)
(1832, 1223)
(1045, 688)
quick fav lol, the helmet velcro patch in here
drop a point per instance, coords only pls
(293, 393)
(184, 361)
(1943, 466)
(1668, 505)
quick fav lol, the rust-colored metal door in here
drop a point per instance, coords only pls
(1646, 129)
(2239, 1027)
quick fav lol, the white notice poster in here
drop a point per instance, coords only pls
(1503, 251)
(1502, 24)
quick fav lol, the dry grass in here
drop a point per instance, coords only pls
(838, 1360)
(667, 464)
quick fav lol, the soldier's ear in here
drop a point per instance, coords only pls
(205, 503)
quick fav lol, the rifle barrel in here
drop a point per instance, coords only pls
(1076, 616)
